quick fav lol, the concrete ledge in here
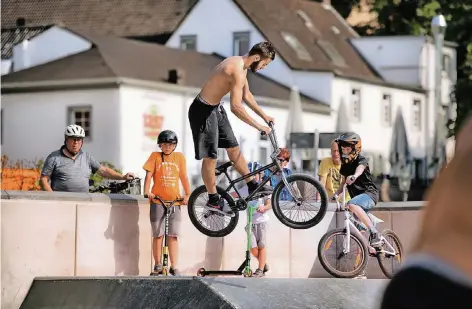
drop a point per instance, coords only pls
(133, 199)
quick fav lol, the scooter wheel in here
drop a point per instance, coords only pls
(201, 272)
(247, 273)
(164, 272)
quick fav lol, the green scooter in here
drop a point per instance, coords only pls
(245, 268)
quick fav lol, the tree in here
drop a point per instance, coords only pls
(413, 17)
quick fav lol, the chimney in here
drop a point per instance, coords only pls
(20, 22)
(175, 76)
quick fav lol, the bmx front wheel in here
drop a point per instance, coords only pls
(210, 223)
(305, 189)
(391, 254)
(337, 262)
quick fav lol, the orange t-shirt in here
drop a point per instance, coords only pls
(166, 175)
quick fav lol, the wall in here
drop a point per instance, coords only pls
(201, 22)
(377, 136)
(50, 45)
(99, 235)
(34, 123)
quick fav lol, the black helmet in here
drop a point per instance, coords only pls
(167, 136)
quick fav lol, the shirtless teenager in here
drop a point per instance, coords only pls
(210, 125)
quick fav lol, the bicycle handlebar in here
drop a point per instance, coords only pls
(272, 136)
(163, 202)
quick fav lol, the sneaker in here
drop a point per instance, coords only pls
(218, 208)
(266, 268)
(157, 269)
(174, 272)
(259, 273)
(375, 240)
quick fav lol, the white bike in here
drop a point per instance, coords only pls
(350, 254)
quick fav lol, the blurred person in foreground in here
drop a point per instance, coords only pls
(438, 271)
(69, 168)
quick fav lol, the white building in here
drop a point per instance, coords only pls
(316, 50)
(123, 93)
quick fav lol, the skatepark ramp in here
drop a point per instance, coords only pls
(204, 293)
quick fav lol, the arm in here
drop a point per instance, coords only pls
(184, 178)
(46, 173)
(236, 95)
(147, 183)
(108, 173)
(44, 182)
(248, 98)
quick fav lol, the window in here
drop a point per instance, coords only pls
(241, 43)
(308, 23)
(356, 104)
(81, 116)
(446, 63)
(294, 43)
(263, 154)
(417, 114)
(387, 109)
(331, 52)
(188, 42)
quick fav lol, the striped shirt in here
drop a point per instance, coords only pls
(67, 174)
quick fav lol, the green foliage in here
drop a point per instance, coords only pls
(97, 179)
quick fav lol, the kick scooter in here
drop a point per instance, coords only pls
(168, 207)
(245, 268)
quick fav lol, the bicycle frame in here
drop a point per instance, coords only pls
(350, 226)
(275, 162)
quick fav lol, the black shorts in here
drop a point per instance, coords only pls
(210, 129)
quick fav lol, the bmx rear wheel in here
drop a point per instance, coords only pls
(338, 263)
(201, 272)
(302, 211)
(210, 223)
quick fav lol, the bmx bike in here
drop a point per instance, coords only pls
(168, 208)
(245, 267)
(213, 223)
(132, 186)
(350, 235)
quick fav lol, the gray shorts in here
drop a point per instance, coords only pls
(258, 237)
(157, 217)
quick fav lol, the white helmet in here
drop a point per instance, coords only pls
(74, 130)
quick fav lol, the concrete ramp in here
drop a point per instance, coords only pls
(205, 293)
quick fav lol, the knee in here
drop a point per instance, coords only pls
(208, 161)
(233, 152)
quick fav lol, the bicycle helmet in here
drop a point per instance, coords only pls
(74, 130)
(349, 139)
(167, 136)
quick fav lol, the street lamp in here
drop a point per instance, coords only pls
(438, 28)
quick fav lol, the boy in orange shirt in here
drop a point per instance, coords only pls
(166, 168)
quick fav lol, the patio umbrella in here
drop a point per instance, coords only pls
(294, 121)
(342, 121)
(400, 154)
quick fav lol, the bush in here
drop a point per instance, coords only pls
(97, 179)
(21, 175)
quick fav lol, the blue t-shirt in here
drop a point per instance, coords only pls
(275, 179)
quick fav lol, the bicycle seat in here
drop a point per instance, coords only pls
(223, 167)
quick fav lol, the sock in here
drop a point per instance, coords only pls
(252, 185)
(213, 198)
